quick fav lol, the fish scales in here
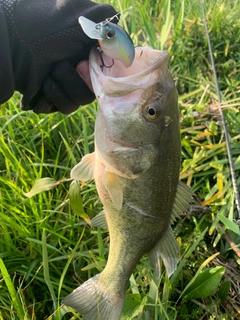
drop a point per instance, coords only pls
(136, 170)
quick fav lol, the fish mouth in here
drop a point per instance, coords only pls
(115, 80)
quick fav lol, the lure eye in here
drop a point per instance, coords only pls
(107, 32)
(153, 111)
(110, 34)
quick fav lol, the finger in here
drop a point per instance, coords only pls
(57, 97)
(72, 84)
(83, 69)
(41, 105)
(52, 99)
(65, 91)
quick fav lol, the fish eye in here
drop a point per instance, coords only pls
(153, 111)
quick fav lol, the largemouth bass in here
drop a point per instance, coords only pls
(136, 170)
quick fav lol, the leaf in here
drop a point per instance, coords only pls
(76, 201)
(202, 266)
(130, 308)
(205, 284)
(187, 255)
(95, 265)
(224, 290)
(229, 224)
(139, 309)
(41, 185)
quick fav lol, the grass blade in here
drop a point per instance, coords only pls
(46, 269)
(14, 295)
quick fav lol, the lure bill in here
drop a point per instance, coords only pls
(113, 40)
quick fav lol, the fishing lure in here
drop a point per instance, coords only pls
(112, 39)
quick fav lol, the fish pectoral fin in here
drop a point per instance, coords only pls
(113, 185)
(131, 162)
(100, 221)
(183, 200)
(167, 249)
(84, 170)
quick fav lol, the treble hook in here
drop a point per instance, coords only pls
(101, 58)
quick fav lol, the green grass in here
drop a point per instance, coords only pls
(47, 249)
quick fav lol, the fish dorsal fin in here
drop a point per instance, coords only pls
(113, 185)
(100, 221)
(167, 249)
(183, 199)
(84, 170)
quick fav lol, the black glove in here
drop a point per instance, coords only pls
(46, 43)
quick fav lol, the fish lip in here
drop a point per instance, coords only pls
(96, 62)
(148, 67)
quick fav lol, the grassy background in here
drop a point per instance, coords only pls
(47, 249)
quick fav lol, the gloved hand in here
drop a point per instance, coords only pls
(46, 43)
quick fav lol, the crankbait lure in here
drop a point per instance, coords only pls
(112, 39)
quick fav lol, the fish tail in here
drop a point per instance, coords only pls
(95, 302)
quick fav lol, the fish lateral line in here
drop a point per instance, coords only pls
(139, 211)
